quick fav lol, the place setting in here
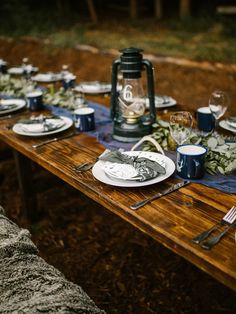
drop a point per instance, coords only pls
(21, 70)
(48, 77)
(42, 125)
(93, 87)
(10, 105)
(228, 124)
(218, 104)
(162, 101)
(24, 69)
(132, 168)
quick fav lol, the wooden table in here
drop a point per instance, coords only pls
(172, 220)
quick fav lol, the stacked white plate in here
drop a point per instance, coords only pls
(38, 129)
(229, 124)
(162, 101)
(93, 87)
(47, 77)
(124, 175)
(11, 105)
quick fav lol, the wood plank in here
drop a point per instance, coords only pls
(172, 220)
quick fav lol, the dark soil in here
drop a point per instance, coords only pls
(122, 269)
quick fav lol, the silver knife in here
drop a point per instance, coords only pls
(55, 139)
(167, 191)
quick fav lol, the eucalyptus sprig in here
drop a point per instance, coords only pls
(65, 99)
(220, 157)
(11, 87)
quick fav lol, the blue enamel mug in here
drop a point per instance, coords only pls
(35, 100)
(68, 81)
(205, 120)
(84, 119)
(190, 161)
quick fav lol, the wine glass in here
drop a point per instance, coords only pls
(181, 126)
(218, 104)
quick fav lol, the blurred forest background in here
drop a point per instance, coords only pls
(204, 34)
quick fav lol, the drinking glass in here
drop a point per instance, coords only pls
(181, 126)
(218, 104)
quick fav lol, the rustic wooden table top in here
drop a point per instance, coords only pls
(172, 220)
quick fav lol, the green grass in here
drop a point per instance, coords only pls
(211, 43)
(206, 38)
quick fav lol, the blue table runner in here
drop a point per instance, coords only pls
(103, 133)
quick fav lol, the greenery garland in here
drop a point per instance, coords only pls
(221, 153)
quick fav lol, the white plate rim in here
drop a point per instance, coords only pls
(68, 123)
(223, 124)
(20, 70)
(98, 89)
(172, 102)
(15, 70)
(56, 79)
(100, 175)
(21, 104)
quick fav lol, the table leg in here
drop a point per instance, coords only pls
(25, 179)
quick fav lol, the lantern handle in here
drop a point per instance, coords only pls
(114, 92)
(151, 91)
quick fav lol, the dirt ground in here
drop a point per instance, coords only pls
(122, 269)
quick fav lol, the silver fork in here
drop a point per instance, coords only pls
(228, 220)
(85, 166)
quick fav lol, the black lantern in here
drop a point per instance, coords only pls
(131, 117)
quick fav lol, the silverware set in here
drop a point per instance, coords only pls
(228, 221)
(85, 166)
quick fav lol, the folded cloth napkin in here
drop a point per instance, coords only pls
(6, 104)
(231, 121)
(43, 125)
(143, 168)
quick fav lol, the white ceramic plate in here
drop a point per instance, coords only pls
(20, 70)
(47, 77)
(163, 102)
(93, 88)
(100, 175)
(15, 70)
(17, 128)
(20, 103)
(224, 125)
